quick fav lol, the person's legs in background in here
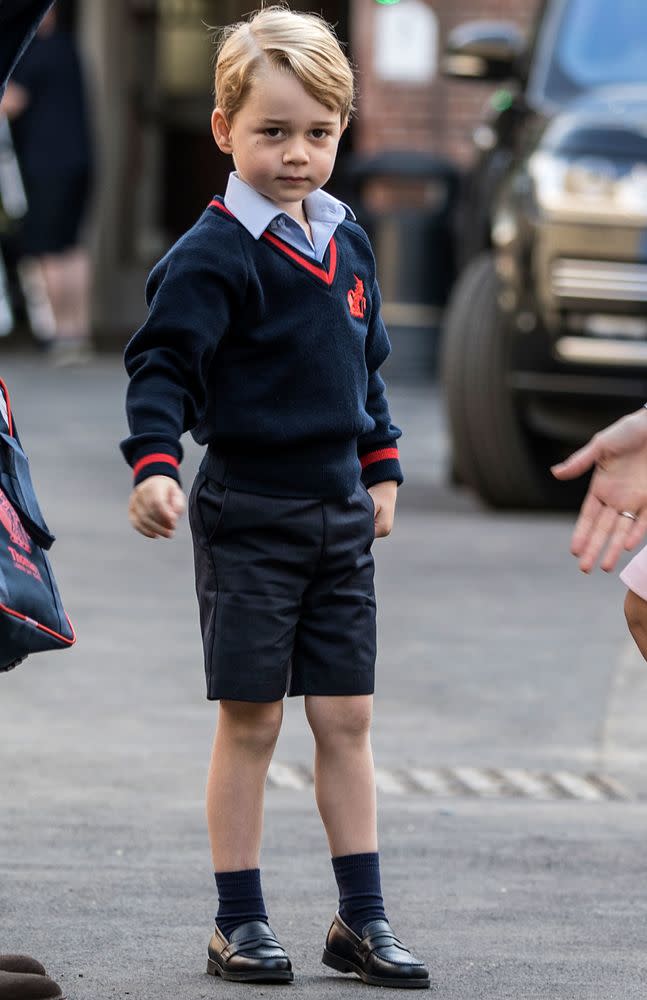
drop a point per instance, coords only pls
(67, 278)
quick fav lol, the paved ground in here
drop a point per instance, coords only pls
(495, 654)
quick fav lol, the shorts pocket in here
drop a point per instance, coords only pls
(206, 508)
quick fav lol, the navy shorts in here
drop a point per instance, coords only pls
(286, 595)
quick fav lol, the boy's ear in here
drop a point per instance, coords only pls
(220, 130)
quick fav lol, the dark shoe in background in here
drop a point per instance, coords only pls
(251, 955)
(28, 986)
(378, 957)
(21, 963)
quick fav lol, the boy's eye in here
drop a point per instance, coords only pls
(319, 133)
(273, 132)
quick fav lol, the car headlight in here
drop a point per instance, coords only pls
(589, 188)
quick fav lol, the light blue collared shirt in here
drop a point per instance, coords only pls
(257, 213)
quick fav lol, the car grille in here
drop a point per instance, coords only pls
(600, 280)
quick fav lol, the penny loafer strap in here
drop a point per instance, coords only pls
(266, 940)
(382, 939)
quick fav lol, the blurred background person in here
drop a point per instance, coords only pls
(21, 977)
(46, 104)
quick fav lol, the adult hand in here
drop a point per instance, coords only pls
(14, 102)
(619, 483)
(384, 496)
(155, 506)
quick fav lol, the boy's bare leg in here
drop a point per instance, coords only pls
(246, 735)
(636, 615)
(345, 791)
(344, 771)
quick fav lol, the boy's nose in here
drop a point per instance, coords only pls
(295, 154)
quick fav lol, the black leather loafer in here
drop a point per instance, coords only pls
(251, 955)
(378, 958)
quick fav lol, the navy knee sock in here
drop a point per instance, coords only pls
(240, 899)
(360, 892)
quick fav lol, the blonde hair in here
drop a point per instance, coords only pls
(302, 44)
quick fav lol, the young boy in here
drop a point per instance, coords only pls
(264, 338)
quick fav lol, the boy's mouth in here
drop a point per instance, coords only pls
(293, 180)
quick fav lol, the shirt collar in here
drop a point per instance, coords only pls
(255, 212)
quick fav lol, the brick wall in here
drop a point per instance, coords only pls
(438, 117)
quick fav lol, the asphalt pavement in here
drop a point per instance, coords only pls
(509, 737)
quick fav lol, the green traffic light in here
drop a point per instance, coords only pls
(387, 3)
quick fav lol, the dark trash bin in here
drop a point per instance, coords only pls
(413, 249)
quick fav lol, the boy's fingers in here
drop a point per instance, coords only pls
(383, 526)
(161, 526)
(145, 525)
(160, 532)
(178, 500)
(157, 512)
(150, 522)
(143, 531)
(138, 526)
(163, 517)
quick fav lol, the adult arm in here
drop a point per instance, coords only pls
(619, 483)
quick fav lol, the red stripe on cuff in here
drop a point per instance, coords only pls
(378, 456)
(157, 457)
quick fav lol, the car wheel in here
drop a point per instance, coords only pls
(493, 452)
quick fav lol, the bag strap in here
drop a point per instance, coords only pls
(5, 408)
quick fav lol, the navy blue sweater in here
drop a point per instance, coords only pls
(267, 357)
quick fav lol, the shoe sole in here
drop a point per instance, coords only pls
(343, 965)
(278, 976)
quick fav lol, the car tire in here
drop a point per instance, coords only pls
(492, 450)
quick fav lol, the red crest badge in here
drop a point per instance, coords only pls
(356, 300)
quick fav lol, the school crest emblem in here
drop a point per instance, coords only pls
(356, 299)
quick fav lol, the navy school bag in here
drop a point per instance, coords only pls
(32, 618)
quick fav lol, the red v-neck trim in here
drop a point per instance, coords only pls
(327, 276)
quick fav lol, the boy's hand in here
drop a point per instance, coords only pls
(155, 506)
(384, 496)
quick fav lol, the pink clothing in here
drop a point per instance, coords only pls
(634, 575)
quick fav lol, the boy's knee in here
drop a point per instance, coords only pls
(254, 724)
(341, 719)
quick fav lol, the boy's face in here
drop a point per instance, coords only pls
(282, 140)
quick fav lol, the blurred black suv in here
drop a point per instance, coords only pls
(545, 338)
